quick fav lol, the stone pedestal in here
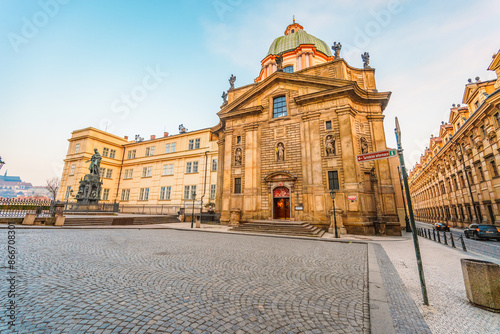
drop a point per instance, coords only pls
(235, 217)
(482, 283)
(60, 220)
(379, 227)
(198, 222)
(340, 223)
(29, 219)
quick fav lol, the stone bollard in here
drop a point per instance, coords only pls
(29, 219)
(59, 208)
(482, 283)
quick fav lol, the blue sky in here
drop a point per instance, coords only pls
(66, 64)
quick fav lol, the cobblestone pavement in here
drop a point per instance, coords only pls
(449, 310)
(168, 281)
(489, 248)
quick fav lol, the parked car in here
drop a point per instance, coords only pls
(441, 227)
(482, 231)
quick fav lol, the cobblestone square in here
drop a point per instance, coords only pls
(167, 281)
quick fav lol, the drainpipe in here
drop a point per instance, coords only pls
(204, 186)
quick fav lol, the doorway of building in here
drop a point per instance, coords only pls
(281, 197)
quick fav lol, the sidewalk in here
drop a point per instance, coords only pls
(449, 310)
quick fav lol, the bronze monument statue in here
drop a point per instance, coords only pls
(89, 191)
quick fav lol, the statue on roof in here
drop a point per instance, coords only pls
(224, 98)
(182, 128)
(336, 48)
(232, 79)
(279, 63)
(366, 60)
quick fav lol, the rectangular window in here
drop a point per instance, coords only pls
(471, 179)
(188, 167)
(238, 139)
(483, 132)
(102, 172)
(462, 181)
(497, 118)
(480, 172)
(237, 185)
(195, 166)
(288, 69)
(109, 173)
(455, 184)
(279, 106)
(147, 171)
(189, 192)
(213, 188)
(125, 194)
(168, 170)
(112, 154)
(105, 194)
(68, 192)
(105, 152)
(191, 144)
(443, 189)
(165, 193)
(128, 173)
(150, 151)
(131, 154)
(493, 167)
(328, 125)
(333, 180)
(214, 165)
(197, 143)
(144, 194)
(77, 148)
(72, 170)
(170, 148)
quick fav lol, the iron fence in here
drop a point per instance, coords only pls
(16, 208)
(84, 207)
(447, 238)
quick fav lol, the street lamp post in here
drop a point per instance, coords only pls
(192, 213)
(407, 221)
(410, 212)
(333, 194)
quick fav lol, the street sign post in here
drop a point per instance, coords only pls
(397, 130)
(376, 155)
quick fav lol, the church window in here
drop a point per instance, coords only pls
(328, 125)
(288, 69)
(333, 180)
(238, 140)
(279, 106)
(237, 185)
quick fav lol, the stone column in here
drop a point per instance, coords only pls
(220, 174)
(252, 171)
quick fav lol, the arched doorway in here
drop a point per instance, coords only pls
(281, 199)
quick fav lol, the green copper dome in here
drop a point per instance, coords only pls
(293, 40)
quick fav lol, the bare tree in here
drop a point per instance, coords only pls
(53, 186)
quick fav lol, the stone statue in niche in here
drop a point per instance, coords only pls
(364, 146)
(237, 157)
(330, 145)
(280, 152)
(279, 63)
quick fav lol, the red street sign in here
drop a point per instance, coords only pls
(352, 198)
(376, 155)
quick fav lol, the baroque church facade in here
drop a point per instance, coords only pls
(293, 135)
(282, 143)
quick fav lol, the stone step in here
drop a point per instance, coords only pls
(100, 221)
(280, 227)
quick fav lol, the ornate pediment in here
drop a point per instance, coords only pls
(281, 176)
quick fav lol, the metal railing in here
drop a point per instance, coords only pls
(447, 238)
(83, 207)
(144, 209)
(14, 208)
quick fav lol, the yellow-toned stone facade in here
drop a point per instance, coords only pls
(286, 140)
(457, 180)
(149, 172)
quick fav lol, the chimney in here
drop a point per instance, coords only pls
(126, 137)
(165, 134)
(153, 137)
